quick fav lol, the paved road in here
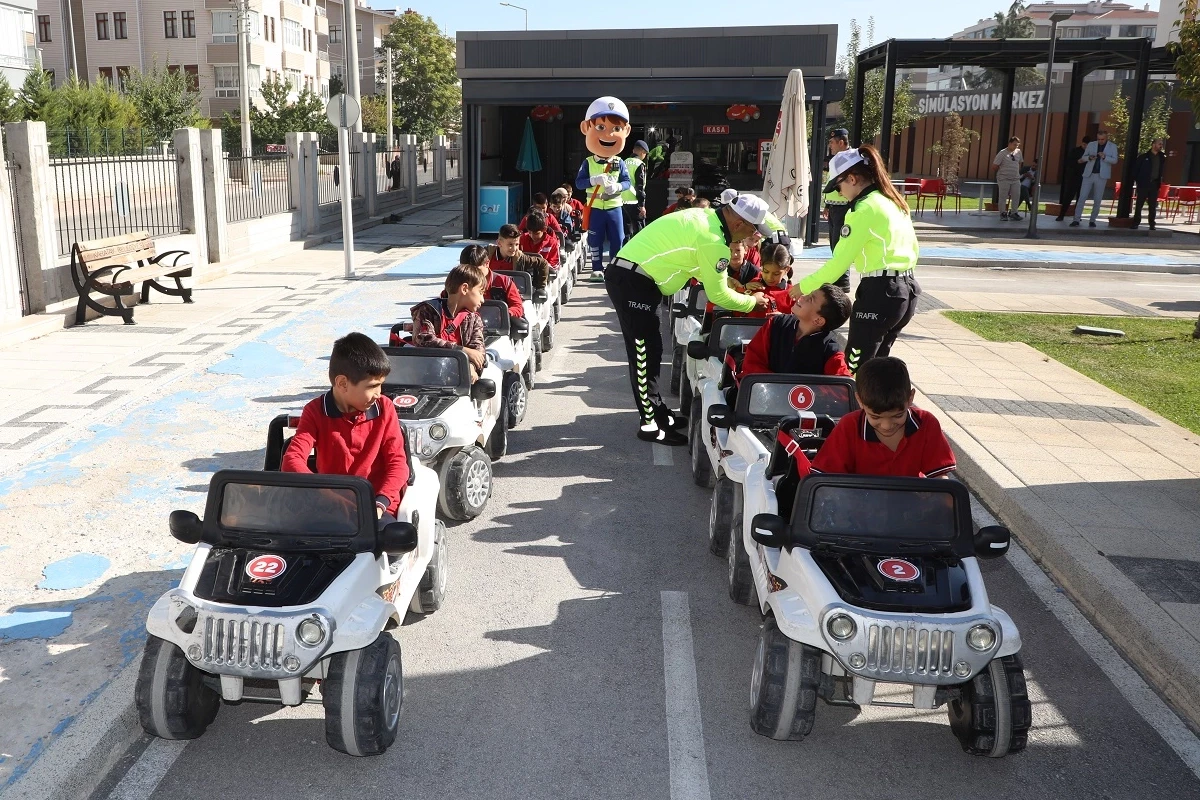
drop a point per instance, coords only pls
(543, 676)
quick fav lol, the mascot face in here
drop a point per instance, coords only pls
(605, 135)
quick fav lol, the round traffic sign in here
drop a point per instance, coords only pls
(897, 569)
(341, 104)
(801, 398)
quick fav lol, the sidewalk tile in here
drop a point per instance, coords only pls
(1079, 455)
(1186, 614)
(1132, 542)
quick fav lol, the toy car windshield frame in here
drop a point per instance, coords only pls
(523, 280)
(878, 501)
(391, 384)
(715, 348)
(746, 395)
(495, 311)
(315, 513)
(697, 301)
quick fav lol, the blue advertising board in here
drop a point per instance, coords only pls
(499, 203)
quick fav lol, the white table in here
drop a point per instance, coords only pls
(982, 186)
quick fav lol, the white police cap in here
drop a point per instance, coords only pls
(603, 106)
(842, 162)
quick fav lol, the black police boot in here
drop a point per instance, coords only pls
(668, 419)
(653, 433)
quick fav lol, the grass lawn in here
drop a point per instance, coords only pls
(1156, 363)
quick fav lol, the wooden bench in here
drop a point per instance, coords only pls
(112, 266)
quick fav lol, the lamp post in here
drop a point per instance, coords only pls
(1036, 189)
(519, 8)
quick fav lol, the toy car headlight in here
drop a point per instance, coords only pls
(311, 632)
(981, 638)
(841, 627)
(437, 431)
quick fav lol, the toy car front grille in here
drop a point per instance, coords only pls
(427, 406)
(242, 642)
(909, 651)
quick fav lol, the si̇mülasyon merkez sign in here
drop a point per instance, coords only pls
(977, 102)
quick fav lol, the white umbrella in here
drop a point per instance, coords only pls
(785, 185)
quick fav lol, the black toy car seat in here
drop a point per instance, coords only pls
(788, 462)
(278, 442)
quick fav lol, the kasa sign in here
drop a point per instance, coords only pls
(936, 103)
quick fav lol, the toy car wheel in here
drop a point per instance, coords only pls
(362, 694)
(173, 701)
(676, 367)
(466, 478)
(548, 337)
(720, 512)
(537, 352)
(532, 366)
(431, 592)
(740, 578)
(991, 716)
(497, 443)
(563, 296)
(702, 473)
(516, 398)
(783, 685)
(685, 391)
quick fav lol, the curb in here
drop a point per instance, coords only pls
(76, 762)
(1144, 634)
(1174, 269)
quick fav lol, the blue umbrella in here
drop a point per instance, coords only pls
(528, 159)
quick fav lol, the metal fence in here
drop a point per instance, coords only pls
(77, 143)
(99, 197)
(256, 186)
(453, 163)
(329, 176)
(13, 168)
(389, 170)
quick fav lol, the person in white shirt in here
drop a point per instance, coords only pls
(1007, 165)
(1098, 159)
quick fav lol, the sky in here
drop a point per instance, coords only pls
(907, 20)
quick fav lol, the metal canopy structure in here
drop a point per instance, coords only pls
(1006, 56)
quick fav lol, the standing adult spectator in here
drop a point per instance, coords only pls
(395, 171)
(1007, 165)
(1029, 179)
(1098, 159)
(1072, 178)
(634, 198)
(1147, 176)
(836, 206)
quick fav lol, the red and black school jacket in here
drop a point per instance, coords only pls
(775, 349)
(502, 288)
(435, 326)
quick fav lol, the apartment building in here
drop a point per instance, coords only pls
(1090, 20)
(289, 39)
(18, 48)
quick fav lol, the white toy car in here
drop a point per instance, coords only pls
(687, 318)
(453, 426)
(290, 597)
(510, 347)
(535, 303)
(707, 375)
(876, 579)
(756, 432)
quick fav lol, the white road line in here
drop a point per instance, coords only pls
(663, 456)
(685, 732)
(1149, 706)
(151, 767)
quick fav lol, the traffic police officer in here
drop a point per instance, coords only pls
(836, 205)
(690, 243)
(634, 198)
(878, 240)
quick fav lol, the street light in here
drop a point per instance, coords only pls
(1055, 18)
(519, 8)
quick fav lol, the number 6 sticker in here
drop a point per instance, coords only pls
(265, 568)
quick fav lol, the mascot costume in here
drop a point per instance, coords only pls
(604, 178)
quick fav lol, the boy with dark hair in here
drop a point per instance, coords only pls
(505, 255)
(541, 204)
(499, 287)
(353, 430)
(560, 209)
(802, 342)
(888, 435)
(537, 240)
(453, 322)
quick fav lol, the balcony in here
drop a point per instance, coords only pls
(18, 62)
(321, 23)
(228, 54)
(323, 55)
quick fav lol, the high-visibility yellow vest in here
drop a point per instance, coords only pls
(633, 164)
(599, 168)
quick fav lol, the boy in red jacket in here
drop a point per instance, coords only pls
(453, 322)
(353, 430)
(802, 342)
(538, 240)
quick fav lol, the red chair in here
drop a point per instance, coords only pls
(1112, 206)
(1165, 200)
(931, 187)
(956, 194)
(1188, 197)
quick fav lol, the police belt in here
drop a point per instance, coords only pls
(886, 273)
(625, 263)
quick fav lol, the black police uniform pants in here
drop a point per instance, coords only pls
(636, 299)
(837, 218)
(882, 307)
(633, 223)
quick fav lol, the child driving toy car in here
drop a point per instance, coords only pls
(772, 280)
(352, 430)
(453, 322)
(538, 240)
(888, 435)
(803, 341)
(499, 287)
(506, 255)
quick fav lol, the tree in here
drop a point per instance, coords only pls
(336, 86)
(425, 90)
(89, 118)
(1154, 122)
(1013, 24)
(1187, 53)
(374, 114)
(34, 98)
(279, 116)
(165, 100)
(904, 104)
(8, 102)
(952, 149)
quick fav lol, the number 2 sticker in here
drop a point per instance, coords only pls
(897, 569)
(265, 568)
